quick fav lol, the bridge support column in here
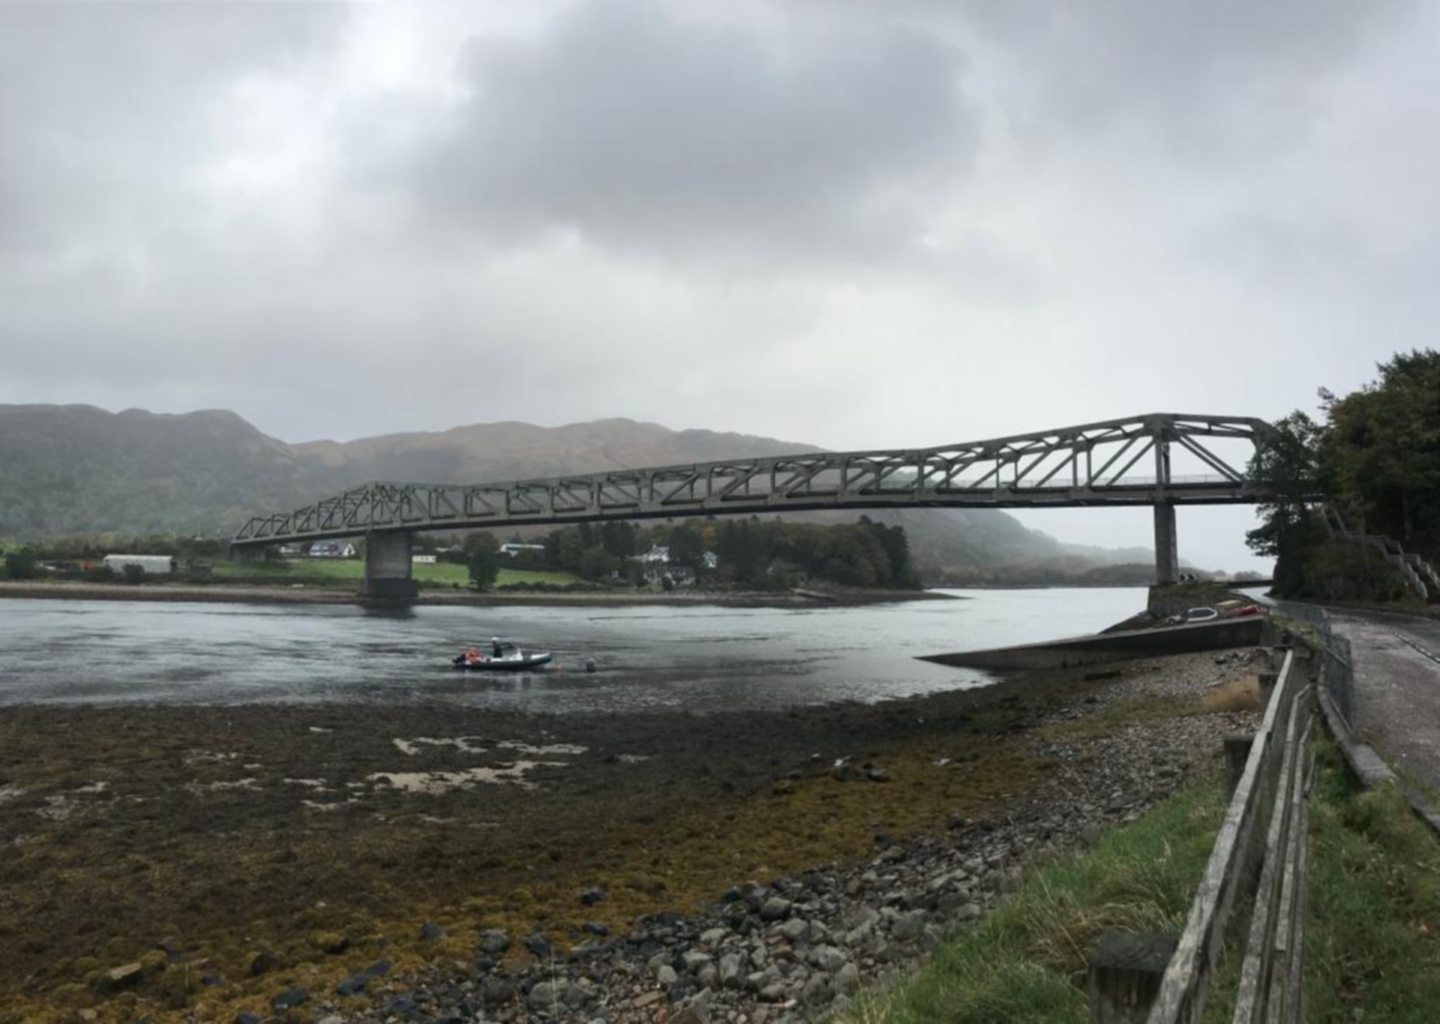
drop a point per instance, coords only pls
(387, 568)
(248, 553)
(1167, 552)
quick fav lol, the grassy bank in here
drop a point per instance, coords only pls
(1372, 944)
(1026, 961)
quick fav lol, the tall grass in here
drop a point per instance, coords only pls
(1372, 943)
(1027, 960)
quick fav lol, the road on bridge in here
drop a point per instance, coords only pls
(1397, 689)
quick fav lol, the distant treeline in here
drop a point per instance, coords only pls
(751, 553)
(81, 556)
(1047, 574)
(92, 547)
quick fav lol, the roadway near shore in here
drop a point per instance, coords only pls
(365, 863)
(1397, 690)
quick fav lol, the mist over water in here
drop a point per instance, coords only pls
(700, 659)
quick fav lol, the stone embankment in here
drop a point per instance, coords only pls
(1112, 646)
(797, 948)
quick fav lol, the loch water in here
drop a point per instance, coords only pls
(699, 659)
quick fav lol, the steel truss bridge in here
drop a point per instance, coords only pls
(1112, 463)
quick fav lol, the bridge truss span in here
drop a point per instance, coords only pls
(1116, 462)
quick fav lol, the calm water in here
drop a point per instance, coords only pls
(698, 659)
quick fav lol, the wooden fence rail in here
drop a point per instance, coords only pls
(1261, 850)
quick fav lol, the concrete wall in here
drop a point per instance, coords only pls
(1092, 650)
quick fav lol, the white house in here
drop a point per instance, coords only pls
(677, 575)
(332, 549)
(516, 549)
(656, 554)
(152, 565)
(422, 559)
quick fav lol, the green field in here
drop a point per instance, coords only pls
(323, 572)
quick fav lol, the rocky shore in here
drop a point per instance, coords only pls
(796, 948)
(260, 864)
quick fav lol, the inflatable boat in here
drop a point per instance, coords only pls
(500, 657)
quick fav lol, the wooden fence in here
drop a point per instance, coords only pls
(1258, 863)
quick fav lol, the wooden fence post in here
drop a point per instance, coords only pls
(1125, 974)
(1267, 686)
(1237, 752)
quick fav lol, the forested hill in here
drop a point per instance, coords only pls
(75, 469)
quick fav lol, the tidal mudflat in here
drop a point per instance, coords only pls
(195, 862)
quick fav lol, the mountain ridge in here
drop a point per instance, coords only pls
(78, 469)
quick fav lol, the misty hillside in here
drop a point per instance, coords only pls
(78, 469)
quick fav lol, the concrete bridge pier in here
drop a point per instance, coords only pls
(1167, 552)
(248, 553)
(387, 568)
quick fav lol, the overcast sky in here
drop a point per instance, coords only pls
(840, 223)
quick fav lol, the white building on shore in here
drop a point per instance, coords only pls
(151, 565)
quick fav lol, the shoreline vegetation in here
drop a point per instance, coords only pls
(1374, 894)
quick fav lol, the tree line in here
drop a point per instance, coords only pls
(1373, 456)
(751, 553)
(80, 555)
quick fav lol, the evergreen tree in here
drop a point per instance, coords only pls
(594, 563)
(1285, 466)
(687, 548)
(1376, 459)
(618, 538)
(1381, 452)
(570, 547)
(20, 564)
(484, 560)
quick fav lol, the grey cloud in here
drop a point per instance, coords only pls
(640, 125)
(953, 219)
(1214, 80)
(103, 107)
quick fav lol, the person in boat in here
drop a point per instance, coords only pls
(472, 654)
(497, 649)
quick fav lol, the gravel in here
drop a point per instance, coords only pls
(796, 948)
